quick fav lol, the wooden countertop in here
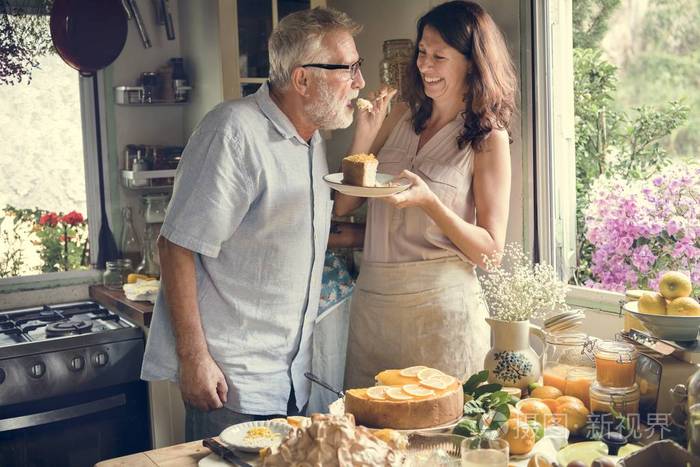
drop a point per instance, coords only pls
(115, 300)
(180, 455)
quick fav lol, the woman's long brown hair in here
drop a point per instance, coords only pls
(491, 82)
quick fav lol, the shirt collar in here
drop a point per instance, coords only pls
(278, 118)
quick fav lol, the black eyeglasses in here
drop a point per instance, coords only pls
(354, 68)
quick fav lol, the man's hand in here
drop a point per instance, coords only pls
(202, 383)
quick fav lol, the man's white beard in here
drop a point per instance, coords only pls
(327, 112)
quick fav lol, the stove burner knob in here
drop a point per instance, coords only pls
(37, 370)
(2, 376)
(77, 363)
(101, 359)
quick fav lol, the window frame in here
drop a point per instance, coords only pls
(551, 216)
(89, 120)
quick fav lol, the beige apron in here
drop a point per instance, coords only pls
(416, 313)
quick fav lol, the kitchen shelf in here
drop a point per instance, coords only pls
(129, 177)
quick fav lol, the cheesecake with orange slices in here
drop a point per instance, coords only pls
(412, 398)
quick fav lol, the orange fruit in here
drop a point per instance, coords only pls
(569, 400)
(572, 416)
(516, 413)
(546, 392)
(519, 436)
(535, 409)
(551, 403)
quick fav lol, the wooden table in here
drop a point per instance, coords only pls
(115, 300)
(180, 455)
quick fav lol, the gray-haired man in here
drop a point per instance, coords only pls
(242, 245)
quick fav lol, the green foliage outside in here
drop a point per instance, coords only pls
(632, 122)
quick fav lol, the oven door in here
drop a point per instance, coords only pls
(76, 430)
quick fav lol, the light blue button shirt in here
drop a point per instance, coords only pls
(250, 201)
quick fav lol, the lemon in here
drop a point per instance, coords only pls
(397, 394)
(428, 373)
(377, 392)
(416, 390)
(412, 371)
(438, 382)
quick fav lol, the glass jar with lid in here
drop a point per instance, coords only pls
(563, 352)
(398, 53)
(156, 204)
(112, 277)
(615, 363)
(623, 400)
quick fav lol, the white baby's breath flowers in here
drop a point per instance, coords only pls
(516, 290)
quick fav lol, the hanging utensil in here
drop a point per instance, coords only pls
(168, 17)
(139, 24)
(88, 34)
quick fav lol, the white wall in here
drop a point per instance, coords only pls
(396, 19)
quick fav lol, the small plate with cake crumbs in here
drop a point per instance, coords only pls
(383, 186)
(254, 436)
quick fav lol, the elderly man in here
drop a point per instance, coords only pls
(242, 245)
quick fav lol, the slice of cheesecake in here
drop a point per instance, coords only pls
(360, 170)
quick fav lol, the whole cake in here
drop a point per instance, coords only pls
(415, 397)
(360, 170)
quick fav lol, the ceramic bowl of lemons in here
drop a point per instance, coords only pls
(671, 327)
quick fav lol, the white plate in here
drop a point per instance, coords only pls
(235, 435)
(675, 328)
(383, 188)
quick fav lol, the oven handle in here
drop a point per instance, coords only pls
(51, 416)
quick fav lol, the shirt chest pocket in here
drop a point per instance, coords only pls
(443, 180)
(392, 160)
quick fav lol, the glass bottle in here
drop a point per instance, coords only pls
(398, 53)
(149, 266)
(129, 245)
(616, 364)
(180, 82)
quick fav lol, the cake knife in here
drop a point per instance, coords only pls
(224, 452)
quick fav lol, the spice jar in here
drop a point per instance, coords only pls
(623, 400)
(398, 53)
(564, 352)
(615, 363)
(112, 277)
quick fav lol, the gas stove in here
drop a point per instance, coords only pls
(70, 392)
(52, 350)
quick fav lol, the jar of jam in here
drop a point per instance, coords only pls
(624, 401)
(616, 364)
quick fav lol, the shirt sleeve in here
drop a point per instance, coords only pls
(212, 193)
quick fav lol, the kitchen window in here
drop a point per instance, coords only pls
(48, 199)
(617, 167)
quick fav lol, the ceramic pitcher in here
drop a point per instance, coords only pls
(511, 361)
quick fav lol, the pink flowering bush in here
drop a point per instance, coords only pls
(640, 229)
